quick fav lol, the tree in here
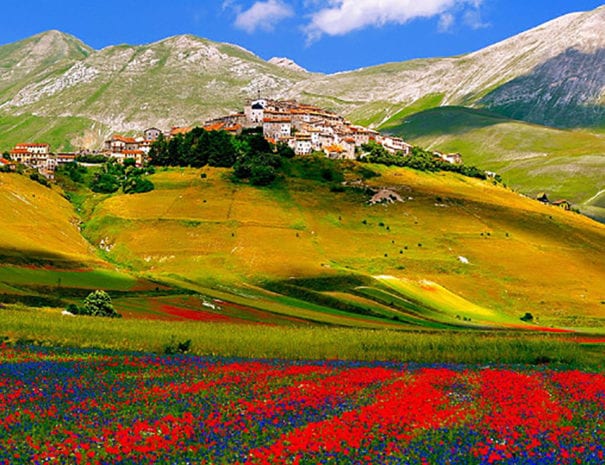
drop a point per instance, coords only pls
(221, 152)
(262, 175)
(137, 185)
(198, 151)
(259, 168)
(98, 303)
(105, 183)
(175, 151)
(74, 171)
(159, 151)
(39, 179)
(284, 150)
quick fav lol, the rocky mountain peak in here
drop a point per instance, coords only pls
(288, 64)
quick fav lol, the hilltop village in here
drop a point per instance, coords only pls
(304, 128)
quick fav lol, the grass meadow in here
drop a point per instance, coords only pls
(532, 158)
(47, 327)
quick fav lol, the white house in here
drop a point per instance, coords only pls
(32, 154)
(151, 134)
(302, 144)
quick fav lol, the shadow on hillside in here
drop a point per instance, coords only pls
(560, 92)
(445, 120)
(41, 259)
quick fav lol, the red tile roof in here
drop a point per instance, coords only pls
(234, 128)
(214, 127)
(277, 120)
(178, 130)
(32, 144)
(335, 148)
(128, 140)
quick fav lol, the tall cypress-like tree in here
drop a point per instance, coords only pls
(159, 151)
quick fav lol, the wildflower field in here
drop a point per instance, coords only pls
(77, 406)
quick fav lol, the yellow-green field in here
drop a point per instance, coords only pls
(522, 256)
(458, 252)
(37, 222)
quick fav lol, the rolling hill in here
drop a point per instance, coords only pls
(532, 158)
(457, 251)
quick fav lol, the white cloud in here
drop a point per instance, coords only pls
(262, 15)
(446, 21)
(229, 5)
(472, 18)
(340, 17)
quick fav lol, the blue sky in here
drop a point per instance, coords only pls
(321, 35)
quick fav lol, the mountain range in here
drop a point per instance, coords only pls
(56, 88)
(553, 75)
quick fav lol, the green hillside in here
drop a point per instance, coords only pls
(458, 252)
(38, 58)
(531, 158)
(250, 242)
(67, 133)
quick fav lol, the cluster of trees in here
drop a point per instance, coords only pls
(40, 179)
(258, 160)
(114, 175)
(419, 159)
(92, 158)
(249, 154)
(111, 177)
(197, 148)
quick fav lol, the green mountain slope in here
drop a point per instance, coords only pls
(241, 240)
(531, 158)
(62, 133)
(41, 57)
(552, 74)
(178, 81)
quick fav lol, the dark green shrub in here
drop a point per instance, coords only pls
(98, 303)
(105, 183)
(175, 347)
(137, 185)
(100, 159)
(262, 175)
(39, 179)
(73, 309)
